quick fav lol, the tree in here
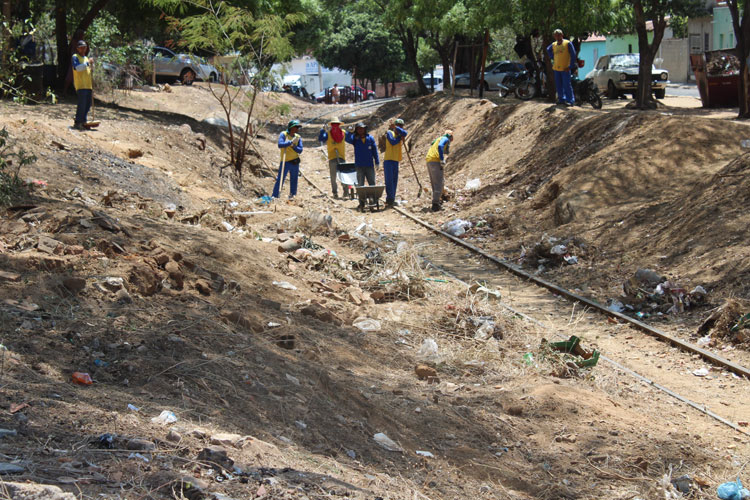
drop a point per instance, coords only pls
(362, 45)
(742, 35)
(658, 12)
(227, 28)
(61, 29)
(5, 26)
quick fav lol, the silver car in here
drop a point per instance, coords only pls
(493, 74)
(617, 74)
(183, 67)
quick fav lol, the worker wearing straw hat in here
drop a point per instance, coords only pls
(436, 157)
(333, 136)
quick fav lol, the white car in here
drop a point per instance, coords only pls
(617, 74)
(493, 74)
(438, 81)
(184, 67)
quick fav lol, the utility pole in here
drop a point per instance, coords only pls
(484, 60)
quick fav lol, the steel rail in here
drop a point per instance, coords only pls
(686, 346)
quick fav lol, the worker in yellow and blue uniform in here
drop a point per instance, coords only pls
(436, 157)
(290, 146)
(366, 156)
(83, 83)
(393, 150)
(563, 55)
(334, 139)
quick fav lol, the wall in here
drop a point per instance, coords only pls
(674, 53)
(626, 44)
(723, 29)
(590, 53)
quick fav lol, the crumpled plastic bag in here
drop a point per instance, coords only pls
(732, 490)
(428, 351)
(456, 227)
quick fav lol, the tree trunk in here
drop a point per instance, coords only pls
(91, 15)
(6, 36)
(410, 46)
(61, 36)
(742, 35)
(647, 53)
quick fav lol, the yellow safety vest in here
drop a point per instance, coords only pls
(433, 155)
(392, 153)
(291, 154)
(334, 147)
(562, 55)
(82, 79)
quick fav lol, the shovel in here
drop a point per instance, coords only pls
(408, 155)
(92, 124)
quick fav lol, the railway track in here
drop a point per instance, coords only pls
(657, 359)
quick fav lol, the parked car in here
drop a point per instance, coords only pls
(366, 94)
(617, 74)
(493, 74)
(184, 67)
(437, 81)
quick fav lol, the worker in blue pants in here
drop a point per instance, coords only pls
(393, 149)
(290, 146)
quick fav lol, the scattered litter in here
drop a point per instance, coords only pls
(476, 288)
(732, 491)
(616, 306)
(428, 351)
(138, 455)
(351, 454)
(425, 454)
(285, 285)
(574, 355)
(265, 200)
(473, 184)
(100, 364)
(647, 293)
(132, 407)
(701, 372)
(227, 226)
(387, 443)
(300, 425)
(271, 324)
(528, 359)
(82, 378)
(456, 227)
(166, 417)
(367, 324)
(293, 379)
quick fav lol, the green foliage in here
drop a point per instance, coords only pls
(12, 76)
(11, 161)
(679, 25)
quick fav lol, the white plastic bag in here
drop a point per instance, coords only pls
(428, 351)
(165, 418)
(473, 184)
(456, 227)
(367, 324)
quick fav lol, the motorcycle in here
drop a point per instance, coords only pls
(585, 91)
(522, 84)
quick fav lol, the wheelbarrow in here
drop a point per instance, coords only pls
(346, 174)
(370, 196)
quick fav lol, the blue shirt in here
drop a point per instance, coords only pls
(365, 151)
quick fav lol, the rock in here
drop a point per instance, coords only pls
(217, 456)
(6, 468)
(161, 258)
(138, 444)
(423, 372)
(203, 287)
(34, 491)
(134, 153)
(175, 274)
(174, 436)
(48, 245)
(236, 318)
(290, 245)
(144, 278)
(8, 276)
(74, 250)
(113, 284)
(270, 304)
(225, 439)
(648, 276)
(198, 433)
(73, 284)
(7, 432)
(321, 313)
(123, 297)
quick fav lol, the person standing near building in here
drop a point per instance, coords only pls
(83, 82)
(393, 150)
(290, 146)
(436, 157)
(366, 156)
(335, 93)
(334, 139)
(563, 56)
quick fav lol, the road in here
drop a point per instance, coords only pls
(683, 90)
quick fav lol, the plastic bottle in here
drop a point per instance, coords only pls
(82, 378)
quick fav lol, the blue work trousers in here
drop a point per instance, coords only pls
(293, 170)
(564, 88)
(84, 105)
(390, 171)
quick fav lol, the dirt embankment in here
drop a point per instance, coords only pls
(641, 189)
(164, 282)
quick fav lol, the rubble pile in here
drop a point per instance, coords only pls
(553, 252)
(723, 64)
(647, 293)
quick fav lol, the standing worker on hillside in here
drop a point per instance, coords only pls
(290, 146)
(435, 166)
(365, 156)
(83, 83)
(335, 93)
(334, 140)
(393, 150)
(563, 55)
